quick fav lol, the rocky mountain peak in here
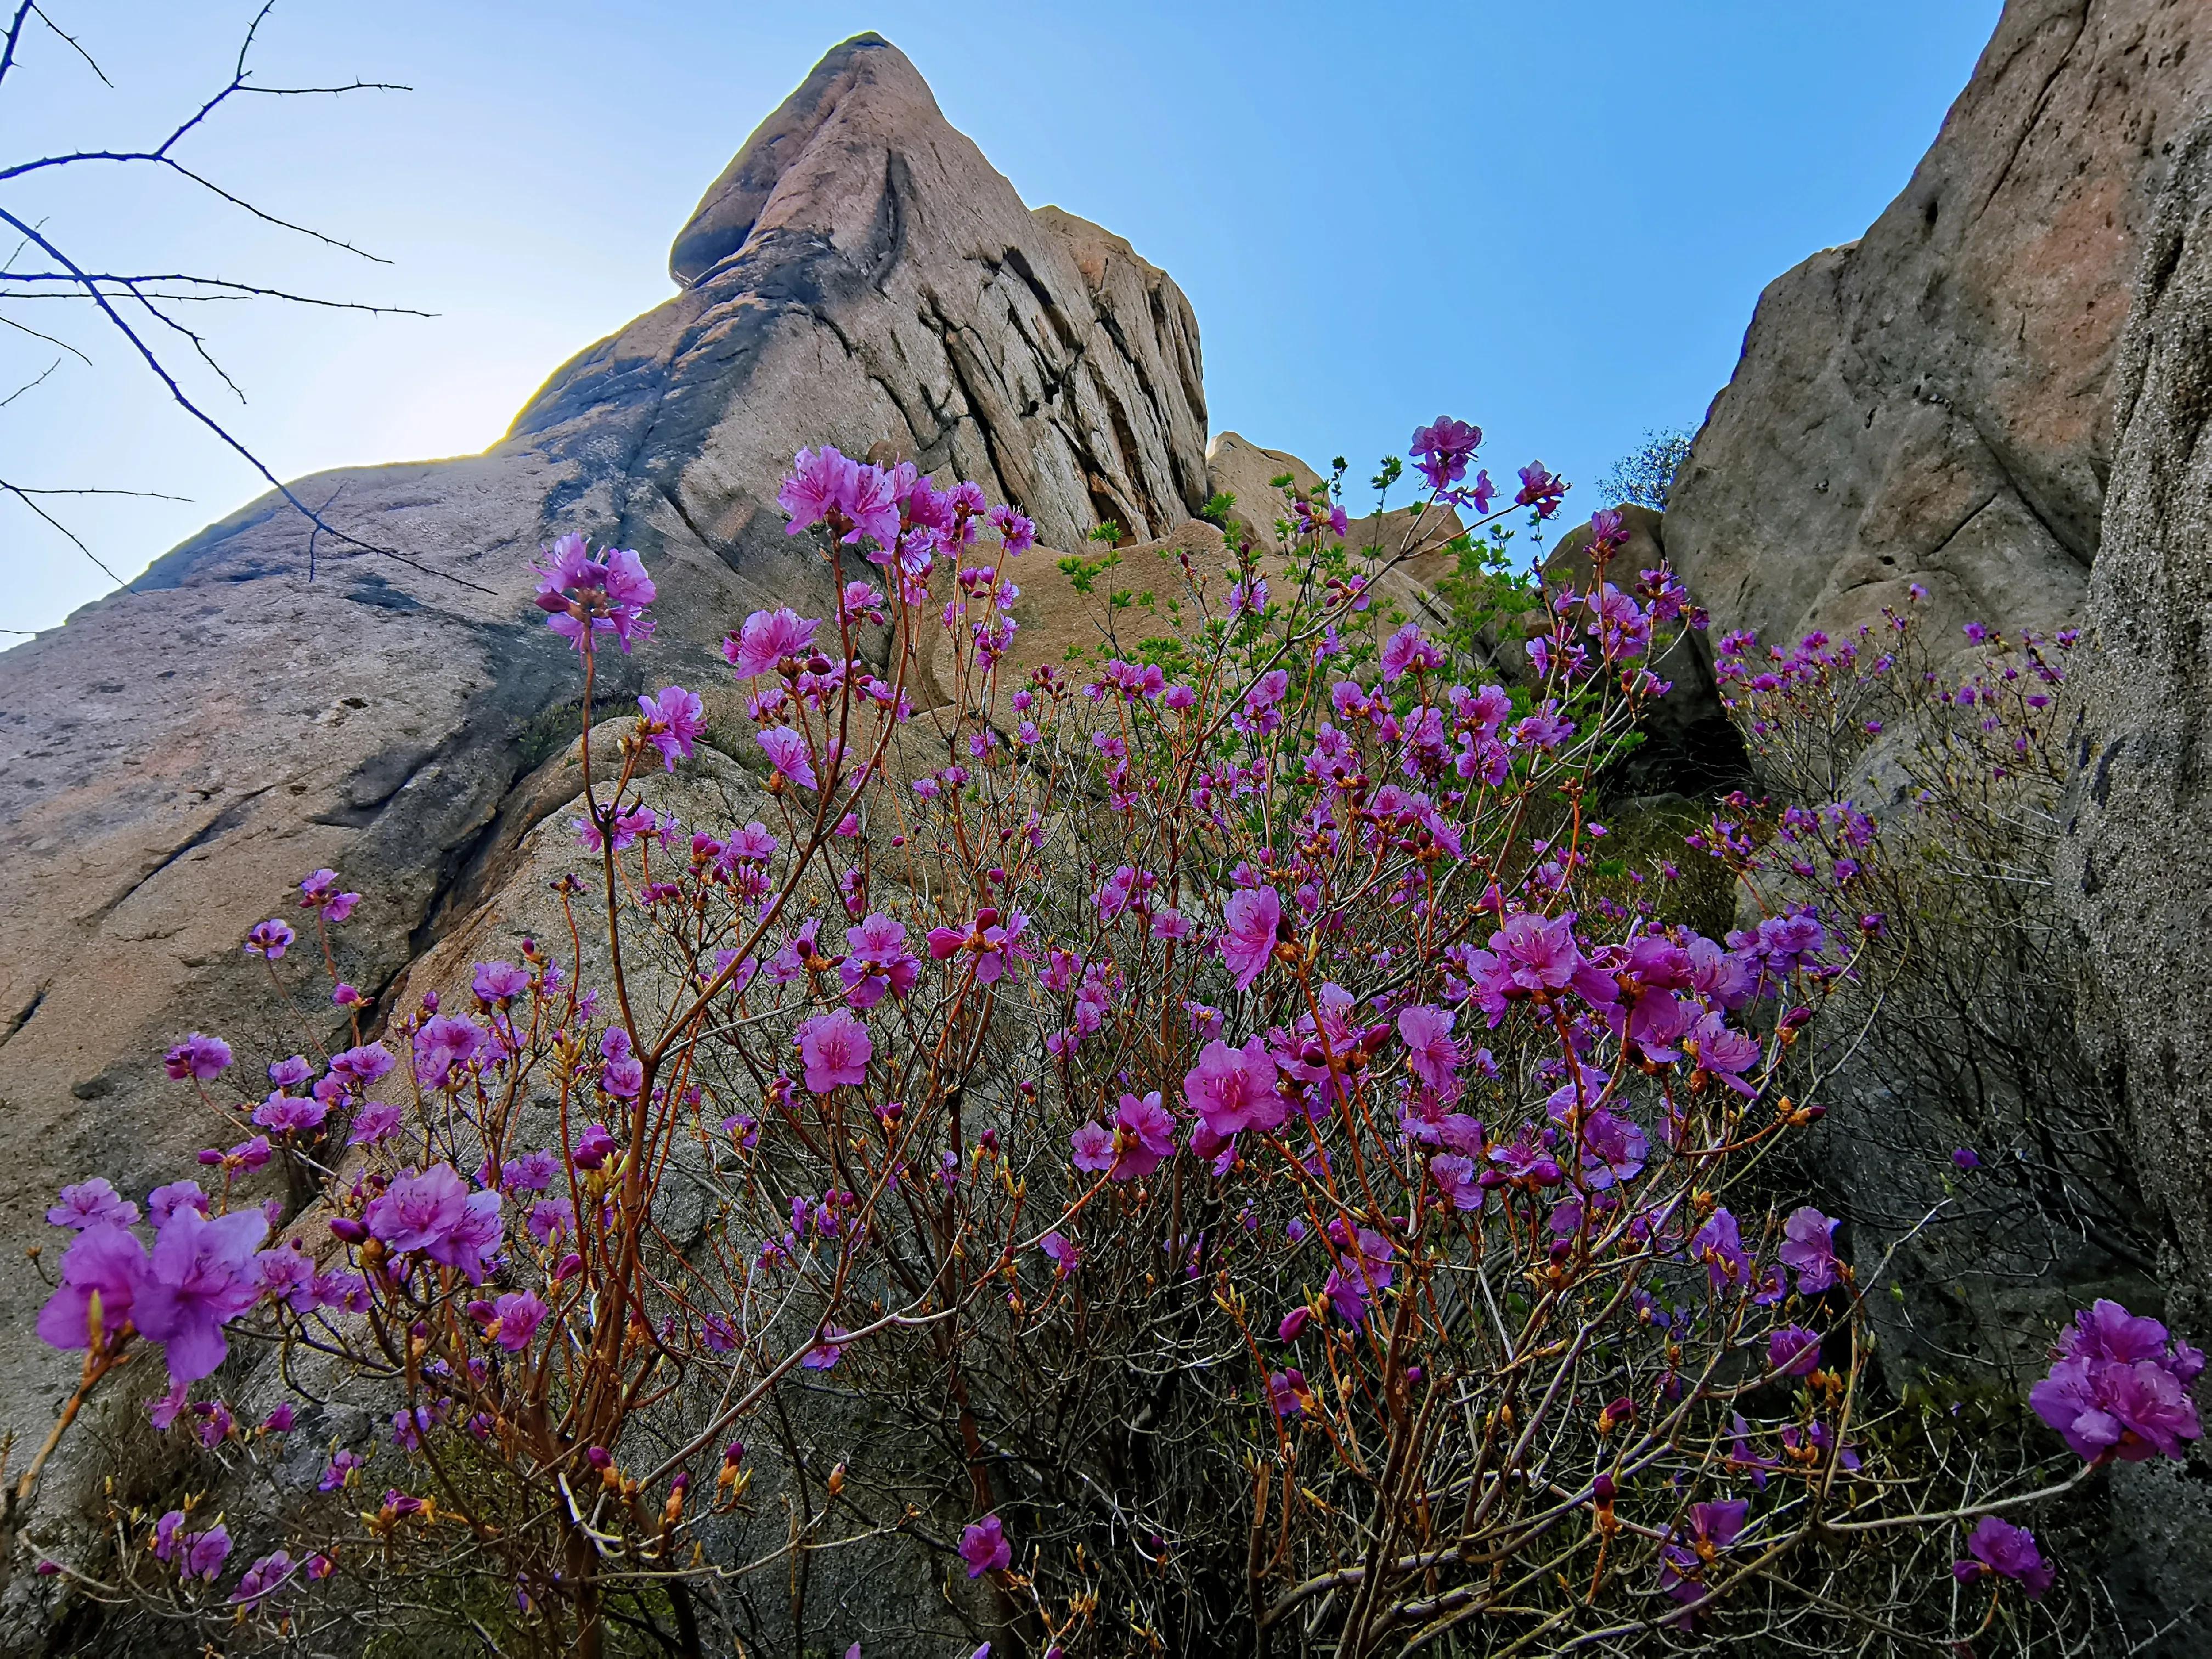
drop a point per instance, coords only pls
(865, 91)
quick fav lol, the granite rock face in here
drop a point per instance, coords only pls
(2136, 866)
(1933, 403)
(2000, 392)
(175, 757)
(1035, 353)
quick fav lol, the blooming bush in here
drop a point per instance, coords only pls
(1206, 1114)
(1918, 797)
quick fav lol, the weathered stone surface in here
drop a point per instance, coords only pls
(2139, 856)
(1237, 467)
(1037, 354)
(2137, 866)
(174, 757)
(1932, 402)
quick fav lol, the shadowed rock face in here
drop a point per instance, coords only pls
(2141, 849)
(1933, 402)
(2137, 865)
(175, 757)
(2001, 391)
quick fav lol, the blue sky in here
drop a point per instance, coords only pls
(1552, 218)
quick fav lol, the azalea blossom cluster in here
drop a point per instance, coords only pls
(1208, 1105)
(2119, 1389)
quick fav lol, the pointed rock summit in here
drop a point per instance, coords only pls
(861, 274)
(176, 755)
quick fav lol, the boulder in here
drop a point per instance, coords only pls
(1237, 467)
(1933, 403)
(1406, 547)
(178, 755)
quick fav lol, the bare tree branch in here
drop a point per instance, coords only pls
(229, 290)
(27, 497)
(106, 292)
(74, 47)
(29, 386)
(15, 37)
(25, 328)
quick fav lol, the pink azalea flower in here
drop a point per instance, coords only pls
(2118, 1390)
(91, 1201)
(787, 752)
(363, 1066)
(1018, 532)
(1235, 1088)
(373, 1120)
(816, 487)
(319, 893)
(836, 1049)
(984, 1547)
(1794, 1350)
(1531, 954)
(197, 1056)
(1713, 1529)
(102, 1259)
(1145, 1135)
(1062, 1251)
(1808, 1246)
(766, 637)
(1406, 650)
(516, 1317)
(1252, 916)
(1428, 1047)
(444, 1048)
(270, 1574)
(1092, 1149)
(673, 721)
(877, 962)
(417, 1210)
(585, 595)
(550, 1218)
(1459, 1178)
(1363, 1269)
(199, 1278)
(1997, 1548)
